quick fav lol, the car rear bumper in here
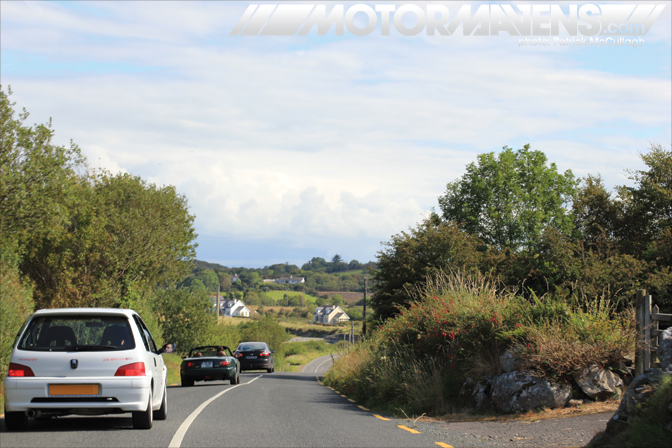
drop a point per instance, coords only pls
(209, 374)
(256, 364)
(115, 393)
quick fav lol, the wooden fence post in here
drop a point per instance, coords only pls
(647, 332)
(639, 345)
(655, 332)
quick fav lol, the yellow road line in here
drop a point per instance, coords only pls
(362, 408)
(344, 396)
(406, 428)
(351, 401)
(382, 418)
(444, 445)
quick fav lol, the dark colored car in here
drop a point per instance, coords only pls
(209, 363)
(255, 356)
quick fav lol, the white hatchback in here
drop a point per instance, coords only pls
(85, 361)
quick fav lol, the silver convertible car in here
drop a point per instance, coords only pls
(86, 361)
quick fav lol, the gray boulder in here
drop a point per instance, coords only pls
(638, 393)
(509, 362)
(665, 348)
(522, 391)
(476, 392)
(598, 384)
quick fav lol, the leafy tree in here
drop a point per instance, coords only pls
(37, 178)
(336, 259)
(507, 200)
(410, 257)
(16, 304)
(185, 316)
(648, 205)
(224, 279)
(267, 330)
(337, 300)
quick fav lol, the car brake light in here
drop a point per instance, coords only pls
(19, 370)
(135, 369)
(264, 353)
(224, 363)
(238, 355)
(190, 364)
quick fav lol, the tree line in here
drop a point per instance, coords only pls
(514, 217)
(72, 236)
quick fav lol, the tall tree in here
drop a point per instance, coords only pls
(410, 257)
(507, 199)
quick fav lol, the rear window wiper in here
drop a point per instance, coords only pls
(94, 348)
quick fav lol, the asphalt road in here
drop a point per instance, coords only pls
(265, 410)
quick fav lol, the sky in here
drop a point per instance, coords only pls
(294, 147)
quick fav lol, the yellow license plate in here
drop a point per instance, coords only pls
(74, 389)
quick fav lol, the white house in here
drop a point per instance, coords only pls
(329, 314)
(290, 280)
(233, 308)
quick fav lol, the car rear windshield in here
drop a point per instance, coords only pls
(77, 333)
(248, 347)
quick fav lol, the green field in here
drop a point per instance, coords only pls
(278, 295)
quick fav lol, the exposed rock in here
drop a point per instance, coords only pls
(597, 383)
(477, 392)
(522, 391)
(665, 348)
(509, 362)
(638, 392)
(575, 403)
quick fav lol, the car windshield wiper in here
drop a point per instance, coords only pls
(94, 348)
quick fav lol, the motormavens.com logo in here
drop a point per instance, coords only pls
(537, 19)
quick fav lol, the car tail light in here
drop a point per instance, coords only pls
(135, 369)
(224, 363)
(19, 370)
(190, 364)
(238, 355)
(264, 353)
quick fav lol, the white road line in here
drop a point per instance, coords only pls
(182, 430)
(321, 364)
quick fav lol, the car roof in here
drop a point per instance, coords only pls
(81, 311)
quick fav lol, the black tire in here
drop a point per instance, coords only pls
(184, 382)
(269, 370)
(144, 419)
(236, 379)
(16, 421)
(162, 413)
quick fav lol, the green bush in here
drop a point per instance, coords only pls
(185, 317)
(459, 326)
(16, 304)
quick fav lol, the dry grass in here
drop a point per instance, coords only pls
(597, 407)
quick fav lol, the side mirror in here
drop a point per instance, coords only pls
(168, 348)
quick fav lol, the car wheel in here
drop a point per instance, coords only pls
(186, 382)
(162, 413)
(144, 419)
(269, 370)
(16, 421)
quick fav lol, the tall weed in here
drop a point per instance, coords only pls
(459, 326)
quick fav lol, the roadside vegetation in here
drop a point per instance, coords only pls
(522, 258)
(459, 326)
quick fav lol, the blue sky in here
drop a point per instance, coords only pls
(293, 147)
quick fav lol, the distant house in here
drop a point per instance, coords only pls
(234, 278)
(329, 314)
(290, 280)
(233, 308)
(268, 280)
